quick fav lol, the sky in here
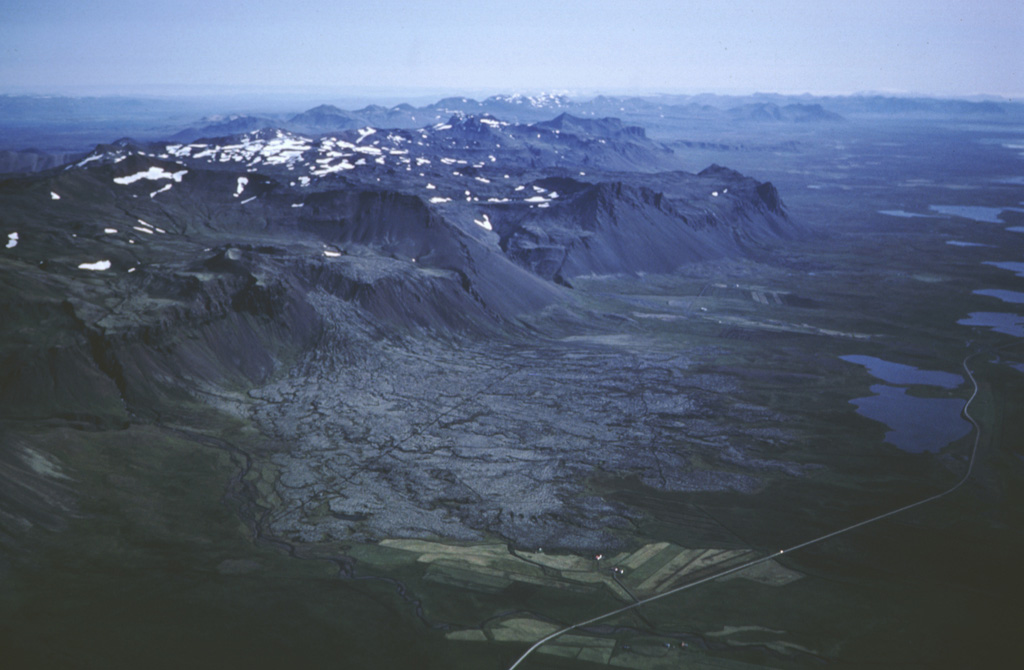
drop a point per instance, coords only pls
(929, 47)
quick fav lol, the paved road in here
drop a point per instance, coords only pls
(802, 545)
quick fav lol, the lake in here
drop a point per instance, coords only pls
(1012, 266)
(898, 373)
(1001, 322)
(1015, 297)
(916, 424)
(973, 212)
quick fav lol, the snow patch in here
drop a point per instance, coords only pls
(438, 200)
(485, 223)
(98, 266)
(153, 174)
(110, 231)
(240, 186)
(12, 240)
(54, 196)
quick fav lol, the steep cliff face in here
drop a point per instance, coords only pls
(100, 351)
(629, 227)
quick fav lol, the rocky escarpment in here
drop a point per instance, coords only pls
(100, 351)
(657, 225)
(403, 227)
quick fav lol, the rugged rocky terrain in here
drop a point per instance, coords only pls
(416, 393)
(374, 290)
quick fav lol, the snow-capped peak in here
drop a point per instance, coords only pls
(539, 101)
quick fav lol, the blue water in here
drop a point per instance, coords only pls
(916, 424)
(897, 373)
(906, 215)
(973, 212)
(1001, 322)
(1015, 297)
(1012, 266)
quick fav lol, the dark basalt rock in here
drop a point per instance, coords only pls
(221, 296)
(770, 196)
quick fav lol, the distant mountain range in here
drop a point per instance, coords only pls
(65, 124)
(518, 109)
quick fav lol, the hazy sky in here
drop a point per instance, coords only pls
(959, 47)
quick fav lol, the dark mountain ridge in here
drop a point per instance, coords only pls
(165, 266)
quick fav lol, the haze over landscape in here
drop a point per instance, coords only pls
(944, 47)
(523, 335)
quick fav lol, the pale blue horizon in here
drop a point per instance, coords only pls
(926, 47)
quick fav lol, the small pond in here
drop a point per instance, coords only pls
(907, 215)
(958, 243)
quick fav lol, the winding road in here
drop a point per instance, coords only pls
(802, 545)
